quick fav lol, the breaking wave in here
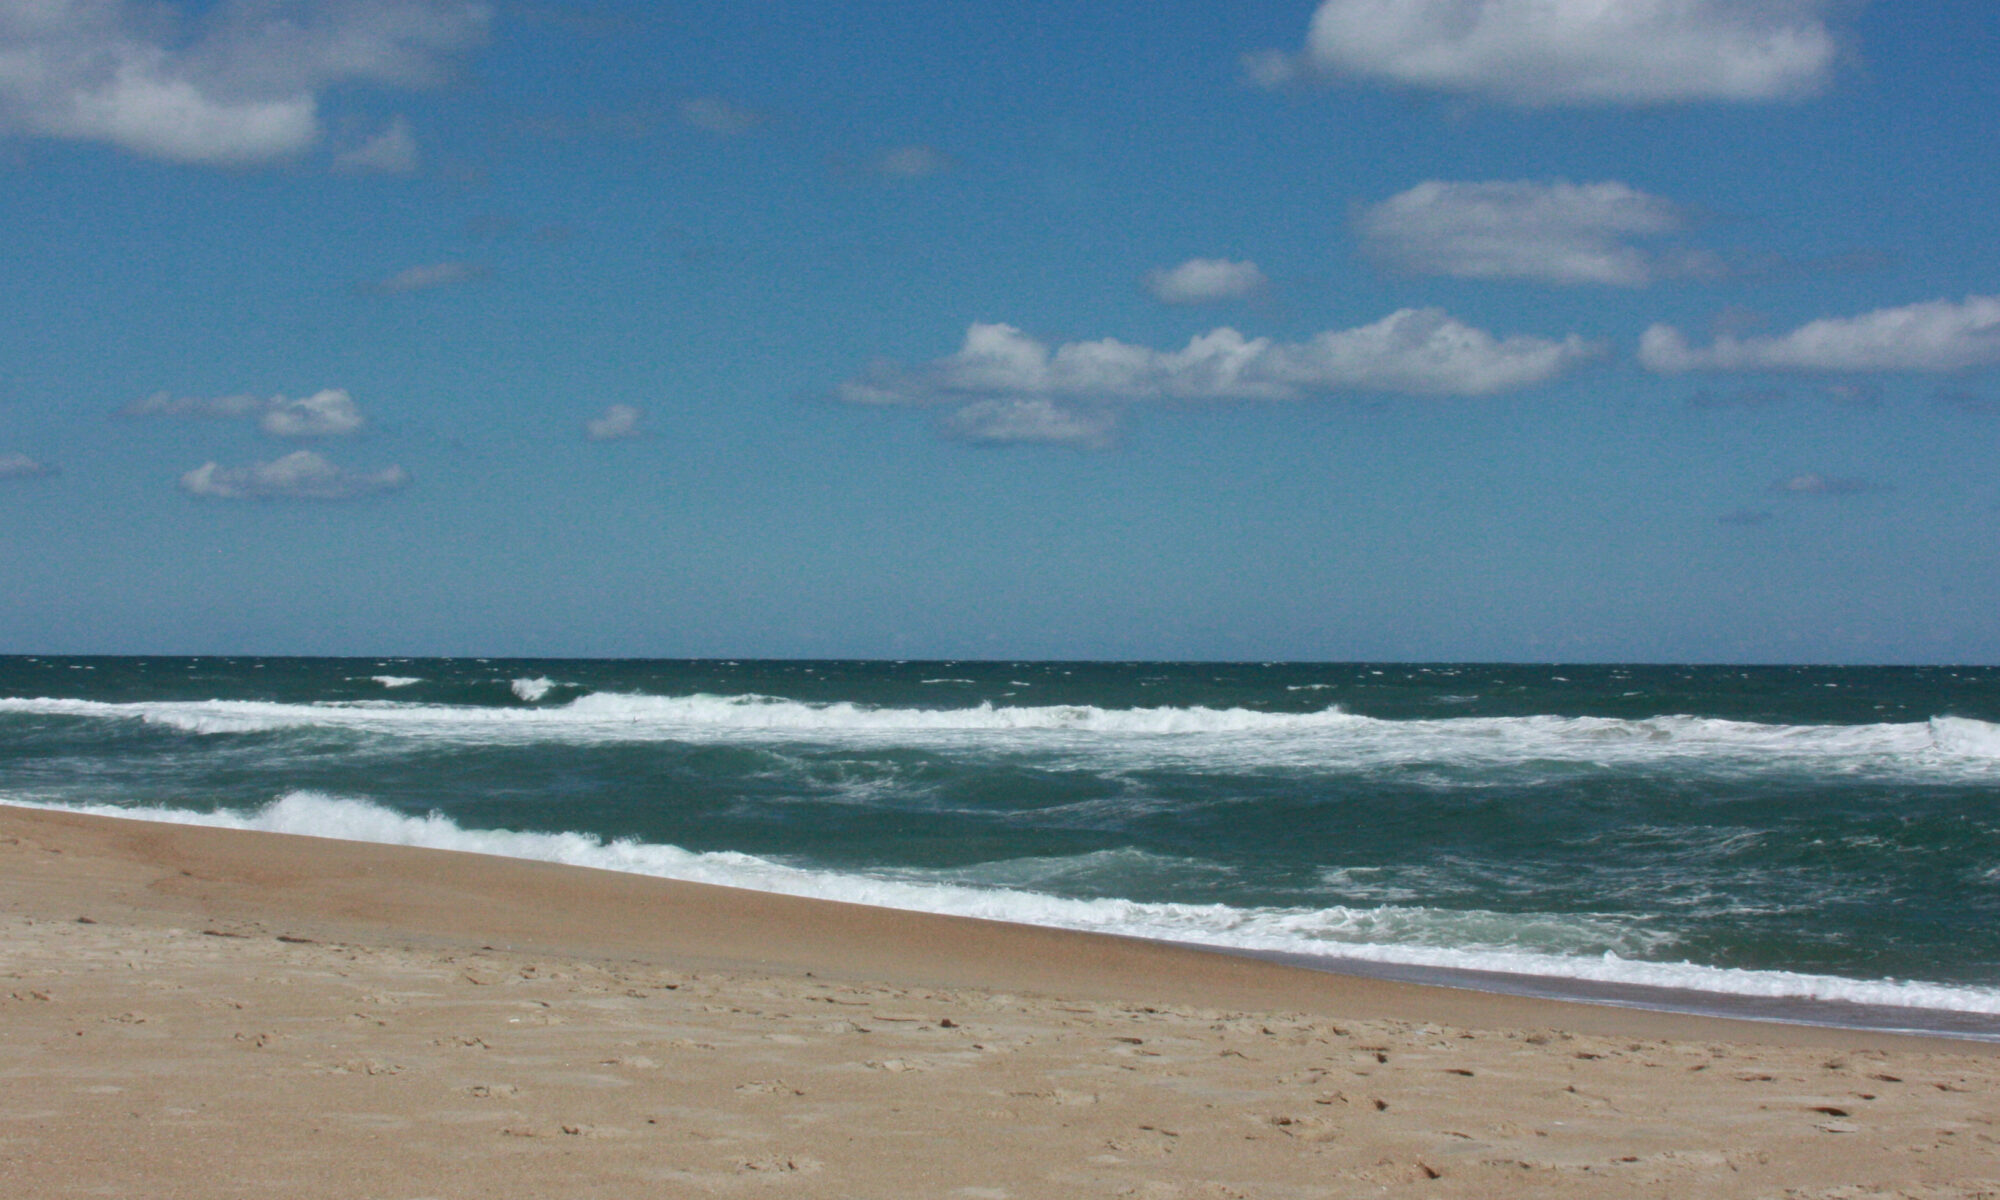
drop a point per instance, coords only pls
(1958, 746)
(1596, 948)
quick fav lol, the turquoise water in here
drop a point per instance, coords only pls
(1831, 833)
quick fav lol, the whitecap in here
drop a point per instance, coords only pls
(532, 690)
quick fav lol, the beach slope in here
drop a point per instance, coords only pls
(201, 1012)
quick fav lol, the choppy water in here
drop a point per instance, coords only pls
(1829, 833)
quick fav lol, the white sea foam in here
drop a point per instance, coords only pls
(395, 681)
(1207, 738)
(1408, 935)
(1962, 735)
(532, 690)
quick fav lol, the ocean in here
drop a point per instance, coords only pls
(1801, 843)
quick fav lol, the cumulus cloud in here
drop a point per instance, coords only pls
(14, 465)
(390, 152)
(1937, 335)
(425, 277)
(719, 116)
(1032, 420)
(1424, 352)
(617, 421)
(330, 412)
(1204, 281)
(238, 83)
(1548, 52)
(300, 475)
(1559, 232)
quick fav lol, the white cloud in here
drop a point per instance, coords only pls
(1423, 352)
(1204, 281)
(1543, 52)
(1565, 233)
(390, 152)
(425, 277)
(237, 84)
(1937, 335)
(617, 421)
(1034, 420)
(14, 465)
(300, 475)
(328, 413)
(913, 162)
(720, 116)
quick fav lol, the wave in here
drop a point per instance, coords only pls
(1236, 738)
(532, 690)
(1964, 735)
(1549, 946)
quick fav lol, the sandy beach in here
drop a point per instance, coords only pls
(194, 1012)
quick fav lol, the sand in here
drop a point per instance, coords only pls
(194, 1013)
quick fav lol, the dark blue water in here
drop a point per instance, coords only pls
(1819, 832)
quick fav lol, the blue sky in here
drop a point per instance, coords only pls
(1444, 329)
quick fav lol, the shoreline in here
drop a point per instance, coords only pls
(358, 890)
(195, 1011)
(1945, 1024)
(1666, 1000)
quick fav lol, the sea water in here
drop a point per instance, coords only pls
(1824, 842)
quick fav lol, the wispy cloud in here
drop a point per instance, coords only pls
(300, 475)
(616, 421)
(390, 152)
(1739, 398)
(1821, 485)
(1205, 281)
(236, 84)
(1036, 420)
(1550, 52)
(165, 404)
(721, 117)
(912, 162)
(1964, 401)
(425, 277)
(330, 412)
(1555, 232)
(1853, 393)
(1937, 335)
(15, 465)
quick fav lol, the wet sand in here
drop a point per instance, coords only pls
(200, 1012)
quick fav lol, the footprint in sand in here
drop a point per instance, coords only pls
(492, 1091)
(779, 1164)
(1316, 1129)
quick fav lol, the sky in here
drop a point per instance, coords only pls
(1419, 330)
